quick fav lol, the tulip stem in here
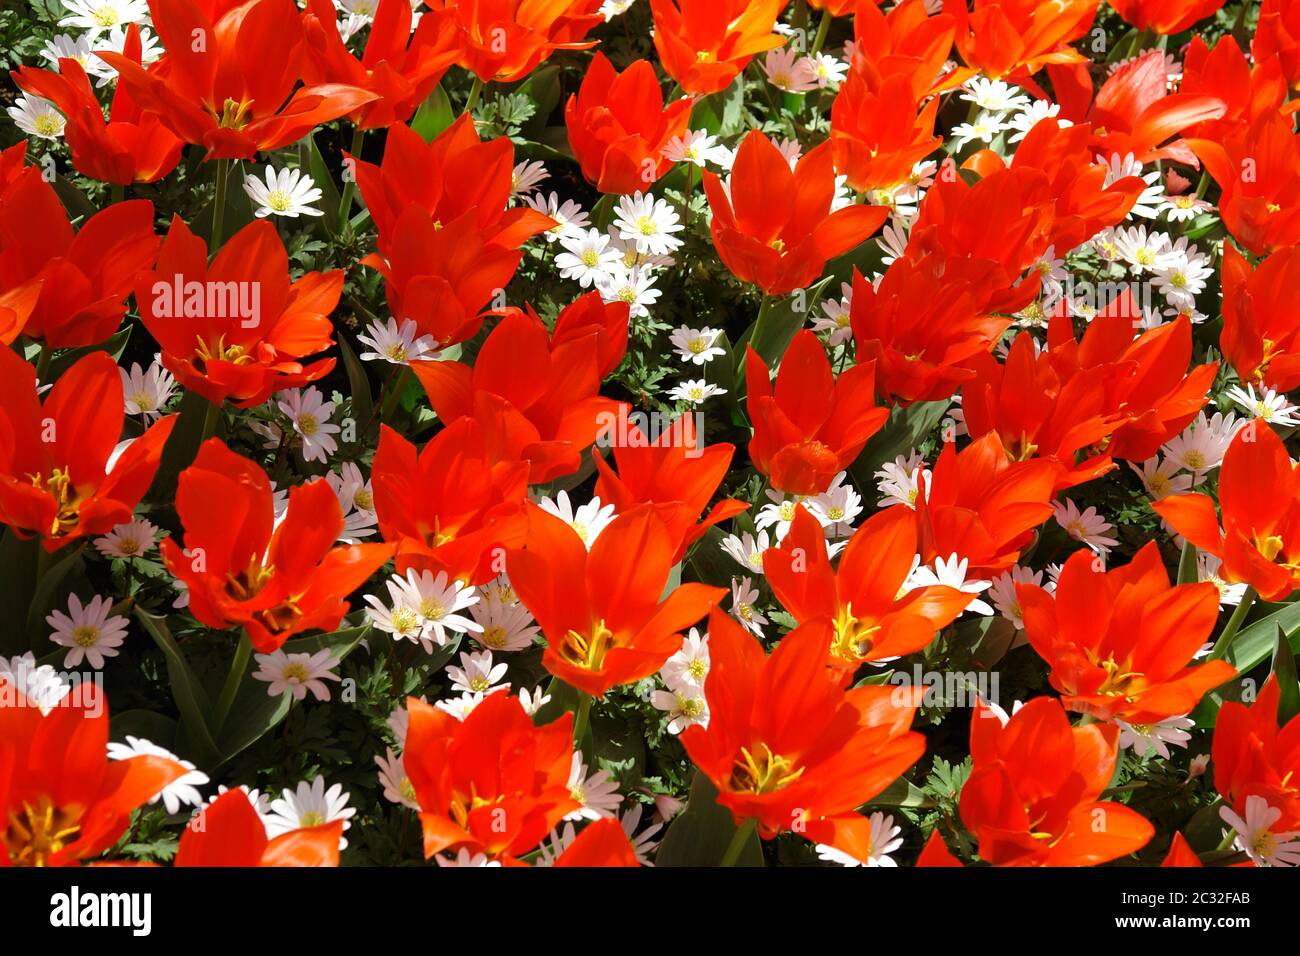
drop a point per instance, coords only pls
(43, 363)
(475, 92)
(823, 28)
(219, 203)
(210, 419)
(581, 717)
(350, 187)
(1224, 642)
(243, 651)
(763, 309)
(398, 383)
(738, 841)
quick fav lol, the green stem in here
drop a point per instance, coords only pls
(475, 92)
(43, 363)
(390, 401)
(238, 666)
(219, 203)
(738, 841)
(210, 420)
(581, 717)
(350, 187)
(117, 193)
(601, 212)
(687, 195)
(1224, 642)
(763, 309)
(823, 28)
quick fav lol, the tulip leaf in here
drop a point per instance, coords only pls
(46, 589)
(114, 346)
(182, 445)
(145, 724)
(721, 113)
(901, 793)
(1284, 672)
(255, 713)
(310, 157)
(363, 402)
(1249, 649)
(543, 88)
(434, 115)
(775, 327)
(1187, 564)
(18, 558)
(191, 699)
(906, 428)
(702, 832)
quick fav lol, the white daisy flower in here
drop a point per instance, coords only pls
(465, 858)
(438, 600)
(1148, 202)
(297, 673)
(950, 572)
(42, 685)
(697, 147)
(685, 706)
(399, 616)
(1026, 119)
(984, 129)
(587, 257)
(309, 805)
(392, 777)
(1184, 207)
(114, 41)
(1144, 251)
(1002, 592)
(695, 391)
(356, 501)
(1156, 738)
(1207, 569)
(146, 392)
(183, 791)
(129, 540)
(97, 16)
(900, 481)
(598, 794)
(588, 521)
(309, 414)
(633, 286)
(994, 96)
(696, 345)
(507, 625)
(649, 222)
(747, 549)
(1255, 837)
(1161, 477)
(477, 674)
(1087, 526)
(743, 596)
(885, 840)
(288, 193)
(525, 177)
(689, 666)
(397, 344)
(570, 219)
(835, 318)
(534, 700)
(37, 117)
(65, 47)
(1273, 407)
(88, 631)
(822, 70)
(1201, 446)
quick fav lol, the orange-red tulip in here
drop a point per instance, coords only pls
(59, 476)
(63, 800)
(869, 620)
(243, 569)
(1259, 497)
(811, 426)
(774, 226)
(618, 126)
(601, 611)
(229, 832)
(1261, 317)
(450, 507)
(1120, 642)
(226, 81)
(1253, 756)
(493, 783)
(704, 44)
(237, 328)
(788, 745)
(1031, 798)
(505, 40)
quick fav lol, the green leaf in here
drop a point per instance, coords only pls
(191, 699)
(721, 113)
(772, 335)
(147, 724)
(1187, 564)
(543, 88)
(1284, 672)
(46, 589)
(18, 558)
(363, 401)
(901, 793)
(182, 446)
(114, 346)
(702, 832)
(905, 430)
(1249, 649)
(434, 115)
(310, 156)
